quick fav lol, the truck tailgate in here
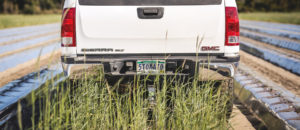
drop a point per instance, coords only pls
(119, 30)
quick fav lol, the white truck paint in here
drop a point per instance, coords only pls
(176, 32)
(117, 30)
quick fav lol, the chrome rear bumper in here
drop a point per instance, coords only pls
(119, 64)
(227, 69)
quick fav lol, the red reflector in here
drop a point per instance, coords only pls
(232, 35)
(68, 28)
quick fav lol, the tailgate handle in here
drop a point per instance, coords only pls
(150, 13)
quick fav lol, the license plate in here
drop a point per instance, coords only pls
(151, 67)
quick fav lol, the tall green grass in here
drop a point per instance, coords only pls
(9, 21)
(277, 17)
(91, 103)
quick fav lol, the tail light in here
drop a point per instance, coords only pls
(232, 27)
(68, 28)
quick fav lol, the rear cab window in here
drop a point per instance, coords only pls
(149, 2)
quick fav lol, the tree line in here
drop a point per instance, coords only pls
(54, 6)
(268, 5)
(30, 6)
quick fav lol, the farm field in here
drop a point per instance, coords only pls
(39, 48)
(269, 53)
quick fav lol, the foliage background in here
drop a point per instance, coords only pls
(30, 6)
(54, 6)
(268, 5)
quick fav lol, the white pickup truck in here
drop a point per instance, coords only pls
(142, 37)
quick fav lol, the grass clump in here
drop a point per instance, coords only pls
(9, 21)
(277, 17)
(91, 103)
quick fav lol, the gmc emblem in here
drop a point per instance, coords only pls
(210, 48)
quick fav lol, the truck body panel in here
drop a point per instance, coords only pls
(176, 32)
(118, 33)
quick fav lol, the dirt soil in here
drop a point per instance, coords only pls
(272, 72)
(272, 36)
(240, 121)
(53, 41)
(28, 67)
(287, 52)
(27, 38)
